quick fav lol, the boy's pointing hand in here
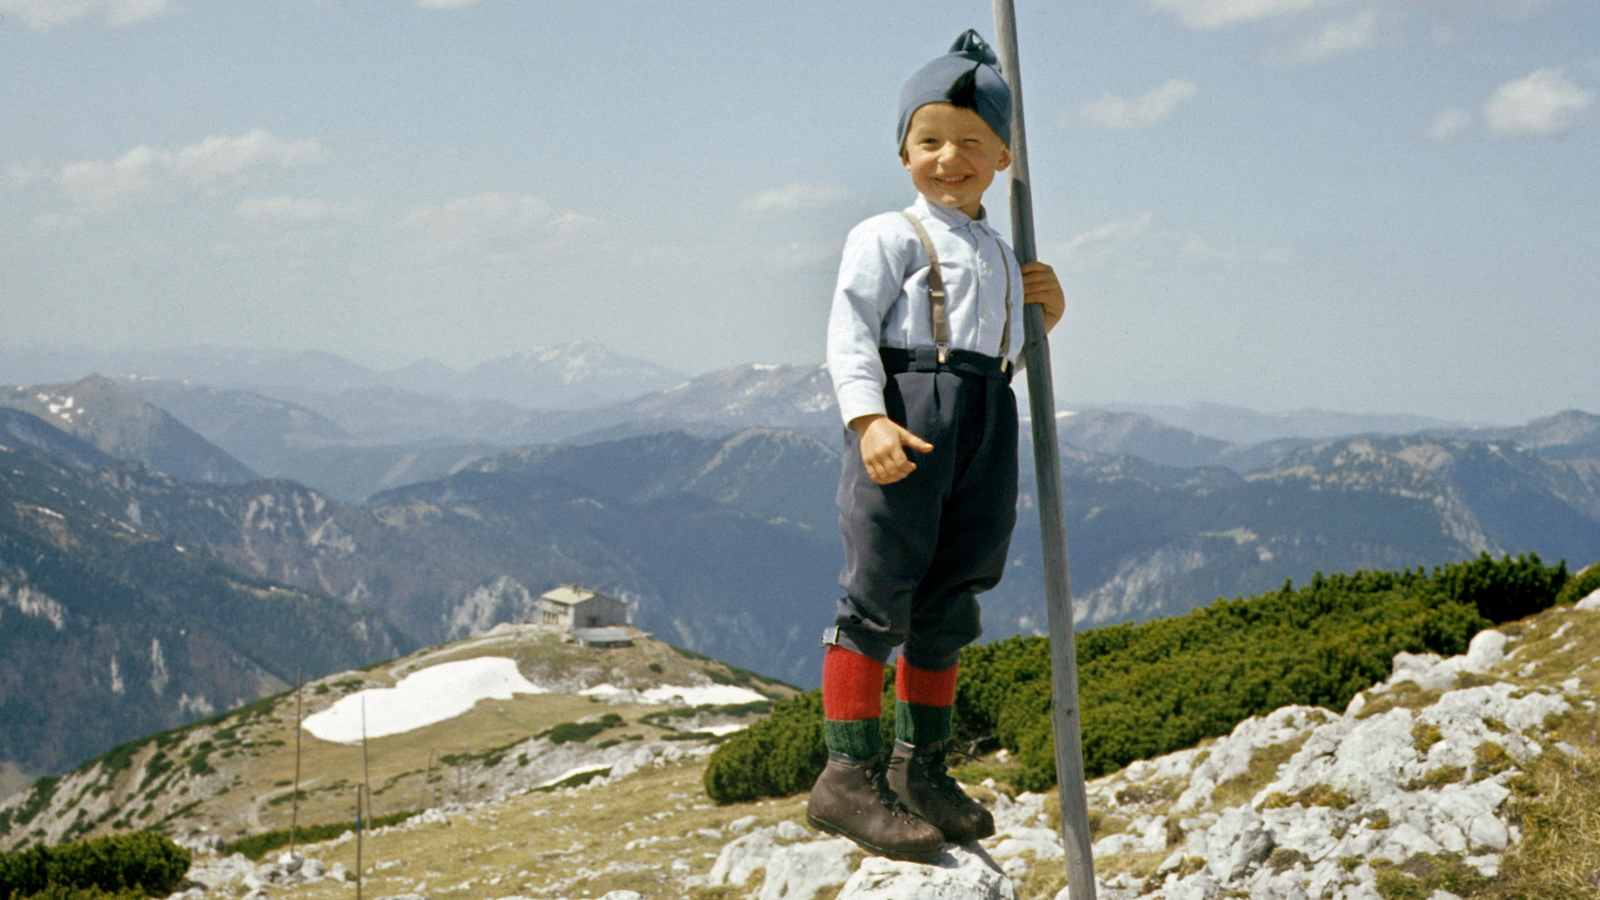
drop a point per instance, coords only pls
(883, 443)
(1040, 285)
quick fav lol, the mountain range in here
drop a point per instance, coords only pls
(707, 505)
(571, 374)
(113, 623)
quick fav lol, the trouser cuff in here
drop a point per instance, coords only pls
(864, 644)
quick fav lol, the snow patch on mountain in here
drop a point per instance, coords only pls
(422, 698)
(690, 695)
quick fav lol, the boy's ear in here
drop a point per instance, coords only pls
(1004, 161)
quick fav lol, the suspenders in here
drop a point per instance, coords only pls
(936, 297)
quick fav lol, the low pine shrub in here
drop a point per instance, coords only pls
(783, 753)
(1505, 589)
(138, 864)
(72, 893)
(573, 732)
(1580, 586)
(1154, 687)
(256, 846)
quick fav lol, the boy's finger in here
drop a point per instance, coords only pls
(914, 442)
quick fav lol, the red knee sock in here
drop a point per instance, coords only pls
(852, 701)
(852, 685)
(927, 699)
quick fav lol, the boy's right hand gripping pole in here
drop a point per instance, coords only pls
(1052, 526)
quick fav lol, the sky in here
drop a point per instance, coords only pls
(1363, 205)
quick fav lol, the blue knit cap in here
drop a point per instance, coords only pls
(932, 84)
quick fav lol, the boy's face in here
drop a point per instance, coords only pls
(952, 156)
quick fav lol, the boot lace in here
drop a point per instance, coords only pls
(932, 763)
(879, 779)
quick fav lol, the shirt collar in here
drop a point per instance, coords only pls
(950, 217)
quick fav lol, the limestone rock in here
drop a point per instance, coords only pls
(795, 871)
(1230, 756)
(959, 874)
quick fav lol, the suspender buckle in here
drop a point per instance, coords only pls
(944, 353)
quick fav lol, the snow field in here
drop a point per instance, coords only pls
(444, 691)
(703, 695)
(422, 698)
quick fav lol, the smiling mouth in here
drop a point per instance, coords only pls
(951, 180)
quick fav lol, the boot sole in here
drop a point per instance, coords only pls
(959, 838)
(929, 856)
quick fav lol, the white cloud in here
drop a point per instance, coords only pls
(1543, 103)
(501, 225)
(42, 15)
(220, 157)
(1140, 112)
(1205, 14)
(794, 198)
(446, 4)
(801, 255)
(21, 175)
(1197, 249)
(102, 184)
(1449, 124)
(56, 223)
(297, 209)
(1338, 37)
(1143, 240)
(1089, 249)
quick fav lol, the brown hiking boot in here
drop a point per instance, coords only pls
(850, 799)
(918, 777)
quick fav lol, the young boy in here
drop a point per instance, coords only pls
(922, 343)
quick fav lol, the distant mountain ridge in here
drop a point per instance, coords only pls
(110, 628)
(116, 421)
(556, 376)
(1239, 425)
(1570, 434)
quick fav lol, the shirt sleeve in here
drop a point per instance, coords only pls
(871, 278)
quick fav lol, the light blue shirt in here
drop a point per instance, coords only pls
(881, 299)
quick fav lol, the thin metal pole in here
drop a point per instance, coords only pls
(1052, 526)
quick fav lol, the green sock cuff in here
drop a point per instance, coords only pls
(918, 725)
(855, 738)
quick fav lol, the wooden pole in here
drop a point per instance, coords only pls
(294, 815)
(429, 785)
(358, 843)
(366, 784)
(1052, 525)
